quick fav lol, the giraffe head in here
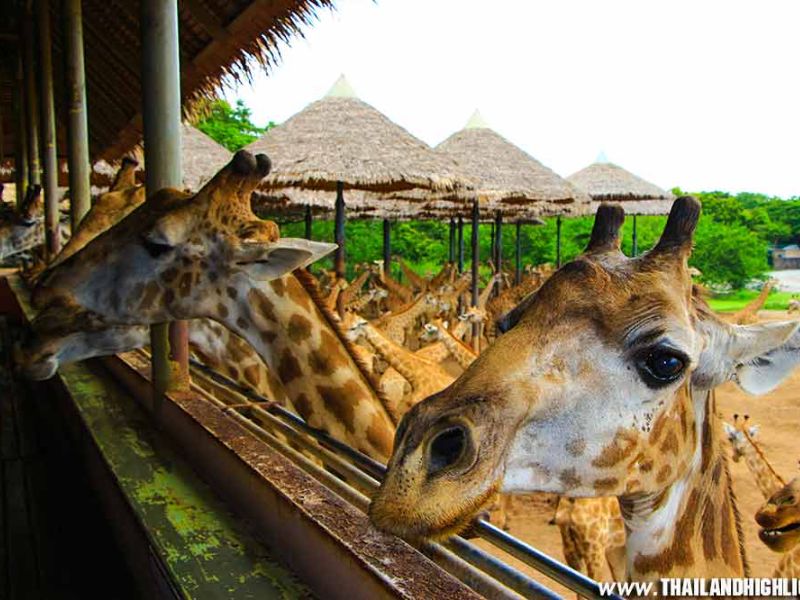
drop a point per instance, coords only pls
(177, 256)
(431, 332)
(23, 230)
(740, 435)
(780, 518)
(587, 393)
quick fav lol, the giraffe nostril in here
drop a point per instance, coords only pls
(264, 164)
(446, 448)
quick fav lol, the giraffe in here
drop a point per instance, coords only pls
(23, 230)
(181, 257)
(601, 385)
(780, 522)
(749, 314)
(417, 282)
(425, 377)
(397, 325)
(742, 435)
(436, 331)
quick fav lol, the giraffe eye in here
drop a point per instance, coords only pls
(662, 366)
(154, 248)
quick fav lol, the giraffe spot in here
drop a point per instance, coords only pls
(185, 284)
(622, 446)
(268, 336)
(233, 372)
(569, 479)
(679, 552)
(380, 435)
(278, 286)
(708, 532)
(340, 401)
(576, 447)
(299, 328)
(605, 485)
(232, 292)
(658, 427)
(151, 293)
(242, 323)
(169, 297)
(222, 310)
(251, 375)
(707, 441)
(663, 473)
(716, 474)
(670, 443)
(731, 551)
(303, 406)
(646, 465)
(321, 363)
(297, 293)
(169, 275)
(262, 304)
(288, 367)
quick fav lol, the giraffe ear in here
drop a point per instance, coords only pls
(764, 354)
(268, 261)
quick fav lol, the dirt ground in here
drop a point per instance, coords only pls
(777, 414)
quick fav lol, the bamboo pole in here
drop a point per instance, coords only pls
(460, 244)
(387, 246)
(31, 100)
(21, 135)
(451, 254)
(476, 215)
(558, 241)
(309, 220)
(518, 255)
(48, 121)
(162, 150)
(77, 121)
(635, 244)
(338, 233)
(498, 248)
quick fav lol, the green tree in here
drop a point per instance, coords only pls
(229, 125)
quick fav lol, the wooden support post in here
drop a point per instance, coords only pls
(492, 247)
(451, 255)
(309, 220)
(80, 192)
(635, 243)
(476, 258)
(518, 255)
(48, 122)
(21, 135)
(498, 248)
(558, 241)
(31, 100)
(338, 233)
(161, 115)
(460, 244)
(387, 246)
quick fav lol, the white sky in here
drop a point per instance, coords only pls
(704, 94)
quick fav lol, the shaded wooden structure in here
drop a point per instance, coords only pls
(606, 182)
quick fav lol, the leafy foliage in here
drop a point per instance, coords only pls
(229, 125)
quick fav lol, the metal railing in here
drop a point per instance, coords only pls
(475, 567)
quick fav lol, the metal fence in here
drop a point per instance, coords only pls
(359, 476)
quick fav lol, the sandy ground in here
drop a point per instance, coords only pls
(777, 414)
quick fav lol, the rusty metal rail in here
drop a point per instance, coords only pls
(473, 566)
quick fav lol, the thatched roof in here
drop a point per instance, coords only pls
(342, 138)
(607, 182)
(201, 158)
(506, 174)
(218, 39)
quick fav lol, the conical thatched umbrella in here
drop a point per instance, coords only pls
(340, 142)
(513, 182)
(606, 182)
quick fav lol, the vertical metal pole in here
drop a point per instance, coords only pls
(451, 255)
(518, 255)
(21, 135)
(492, 247)
(338, 232)
(558, 241)
(635, 245)
(309, 221)
(31, 101)
(460, 244)
(498, 245)
(387, 246)
(476, 258)
(77, 121)
(49, 159)
(161, 114)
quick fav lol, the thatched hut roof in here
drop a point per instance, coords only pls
(508, 175)
(218, 39)
(606, 182)
(342, 138)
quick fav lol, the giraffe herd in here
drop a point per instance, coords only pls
(600, 389)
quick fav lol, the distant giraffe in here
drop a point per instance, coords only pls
(749, 314)
(742, 438)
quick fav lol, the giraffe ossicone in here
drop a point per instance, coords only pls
(601, 385)
(176, 256)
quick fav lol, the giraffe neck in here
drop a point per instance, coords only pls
(358, 304)
(302, 344)
(464, 355)
(483, 298)
(403, 360)
(767, 479)
(691, 527)
(396, 323)
(16, 238)
(349, 293)
(396, 288)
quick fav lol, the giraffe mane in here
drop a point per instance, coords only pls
(309, 284)
(762, 456)
(737, 520)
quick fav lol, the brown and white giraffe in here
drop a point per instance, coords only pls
(780, 522)
(749, 314)
(437, 332)
(398, 325)
(417, 282)
(742, 435)
(601, 386)
(181, 257)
